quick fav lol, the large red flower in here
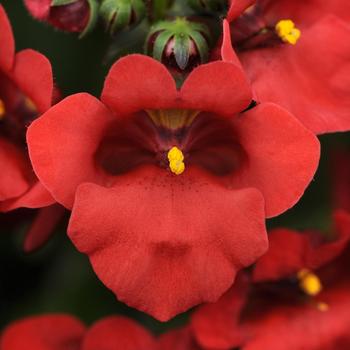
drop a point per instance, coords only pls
(64, 332)
(164, 242)
(299, 303)
(297, 54)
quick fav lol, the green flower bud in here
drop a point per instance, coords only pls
(179, 44)
(120, 14)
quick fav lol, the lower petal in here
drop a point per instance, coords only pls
(164, 243)
(117, 332)
(14, 171)
(47, 332)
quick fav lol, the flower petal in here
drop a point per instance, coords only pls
(7, 42)
(138, 82)
(291, 251)
(14, 171)
(237, 7)
(37, 196)
(228, 54)
(317, 92)
(305, 13)
(33, 75)
(178, 339)
(117, 332)
(39, 9)
(303, 326)
(215, 325)
(47, 332)
(276, 145)
(42, 227)
(164, 243)
(62, 144)
(219, 87)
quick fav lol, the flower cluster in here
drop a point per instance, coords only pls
(170, 174)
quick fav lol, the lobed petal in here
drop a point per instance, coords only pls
(282, 156)
(47, 332)
(291, 251)
(164, 243)
(117, 332)
(7, 42)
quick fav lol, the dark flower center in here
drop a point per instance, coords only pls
(17, 111)
(252, 31)
(194, 138)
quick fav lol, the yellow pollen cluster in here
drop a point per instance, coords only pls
(2, 109)
(176, 161)
(309, 282)
(287, 31)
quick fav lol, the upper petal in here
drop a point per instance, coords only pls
(310, 79)
(291, 251)
(164, 243)
(47, 332)
(305, 13)
(117, 332)
(237, 7)
(7, 42)
(62, 144)
(32, 73)
(218, 87)
(138, 82)
(282, 156)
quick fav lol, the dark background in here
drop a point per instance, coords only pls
(57, 278)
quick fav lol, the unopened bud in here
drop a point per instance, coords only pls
(67, 15)
(180, 45)
(120, 14)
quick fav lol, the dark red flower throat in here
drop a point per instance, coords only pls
(205, 140)
(17, 111)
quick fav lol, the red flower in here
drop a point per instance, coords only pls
(162, 242)
(178, 339)
(26, 90)
(299, 303)
(72, 16)
(64, 332)
(296, 54)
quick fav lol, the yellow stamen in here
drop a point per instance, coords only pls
(176, 161)
(2, 109)
(309, 282)
(321, 306)
(287, 31)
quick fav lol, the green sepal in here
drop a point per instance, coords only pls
(182, 50)
(62, 2)
(201, 44)
(122, 18)
(94, 10)
(160, 43)
(117, 14)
